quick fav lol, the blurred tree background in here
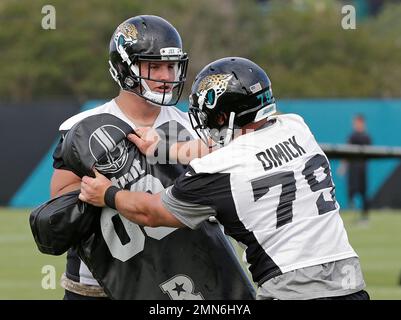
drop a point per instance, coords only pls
(300, 43)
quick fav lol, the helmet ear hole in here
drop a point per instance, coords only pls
(130, 82)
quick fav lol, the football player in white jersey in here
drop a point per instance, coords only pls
(269, 185)
(147, 62)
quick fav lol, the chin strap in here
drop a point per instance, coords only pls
(230, 129)
(156, 96)
(151, 96)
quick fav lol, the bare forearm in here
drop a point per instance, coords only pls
(147, 140)
(140, 207)
(144, 209)
(63, 181)
(184, 152)
(133, 206)
(72, 187)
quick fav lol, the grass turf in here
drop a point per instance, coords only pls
(378, 245)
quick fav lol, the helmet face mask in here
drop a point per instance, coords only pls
(172, 89)
(228, 94)
(147, 40)
(219, 134)
(198, 120)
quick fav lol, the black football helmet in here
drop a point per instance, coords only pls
(227, 94)
(147, 39)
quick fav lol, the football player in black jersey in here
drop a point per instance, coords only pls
(149, 65)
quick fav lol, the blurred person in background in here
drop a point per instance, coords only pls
(356, 169)
(357, 176)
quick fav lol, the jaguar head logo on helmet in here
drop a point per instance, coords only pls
(138, 46)
(211, 88)
(228, 94)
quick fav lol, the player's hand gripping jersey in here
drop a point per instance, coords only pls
(273, 191)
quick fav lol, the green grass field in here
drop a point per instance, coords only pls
(377, 244)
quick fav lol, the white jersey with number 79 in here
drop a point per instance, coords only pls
(272, 190)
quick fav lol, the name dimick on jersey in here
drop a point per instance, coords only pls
(272, 190)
